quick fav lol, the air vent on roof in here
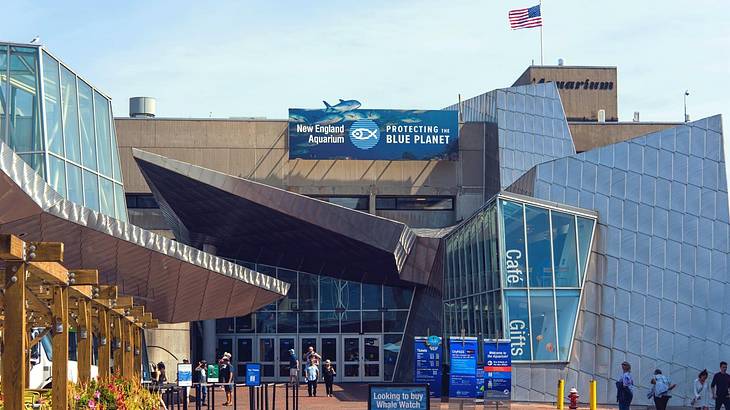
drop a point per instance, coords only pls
(141, 107)
(601, 115)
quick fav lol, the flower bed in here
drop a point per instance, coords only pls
(113, 394)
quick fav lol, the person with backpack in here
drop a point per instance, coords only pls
(661, 390)
(624, 386)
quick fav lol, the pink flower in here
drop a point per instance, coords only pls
(97, 394)
(92, 404)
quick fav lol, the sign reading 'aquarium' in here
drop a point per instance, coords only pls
(343, 131)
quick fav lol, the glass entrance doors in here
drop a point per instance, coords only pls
(362, 358)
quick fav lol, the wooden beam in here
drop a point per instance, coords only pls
(45, 251)
(14, 341)
(108, 292)
(38, 338)
(12, 248)
(137, 353)
(118, 348)
(83, 277)
(82, 291)
(59, 370)
(137, 311)
(51, 272)
(147, 318)
(105, 341)
(128, 329)
(85, 348)
(124, 302)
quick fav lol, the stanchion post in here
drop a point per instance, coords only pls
(560, 402)
(593, 395)
(273, 397)
(266, 396)
(211, 396)
(235, 398)
(286, 396)
(250, 397)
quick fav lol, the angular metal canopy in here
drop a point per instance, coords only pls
(251, 221)
(175, 282)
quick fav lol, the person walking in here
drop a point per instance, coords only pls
(720, 384)
(328, 374)
(701, 390)
(312, 354)
(312, 375)
(661, 389)
(161, 375)
(624, 386)
(202, 387)
(293, 368)
(226, 375)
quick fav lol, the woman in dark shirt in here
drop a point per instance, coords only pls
(328, 373)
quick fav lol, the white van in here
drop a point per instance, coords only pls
(41, 360)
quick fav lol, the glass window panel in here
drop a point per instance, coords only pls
(372, 322)
(328, 293)
(514, 243)
(35, 161)
(266, 350)
(372, 297)
(308, 322)
(353, 202)
(70, 112)
(57, 174)
(352, 295)
(116, 171)
(73, 182)
(245, 324)
(103, 134)
(519, 323)
(88, 135)
(119, 204)
(350, 322)
(25, 121)
(308, 291)
(585, 232)
(329, 349)
(91, 190)
(106, 196)
(3, 96)
(394, 321)
(542, 314)
(286, 322)
(564, 250)
(329, 322)
(538, 247)
(289, 302)
(245, 350)
(391, 349)
(397, 298)
(52, 104)
(567, 309)
(224, 325)
(384, 203)
(265, 322)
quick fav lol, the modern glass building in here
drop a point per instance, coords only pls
(62, 126)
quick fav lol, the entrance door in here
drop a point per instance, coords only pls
(266, 352)
(351, 353)
(243, 355)
(305, 342)
(285, 343)
(329, 352)
(372, 363)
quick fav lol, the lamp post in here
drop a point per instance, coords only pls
(686, 117)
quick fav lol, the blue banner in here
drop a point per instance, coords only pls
(497, 369)
(428, 363)
(253, 374)
(398, 396)
(463, 359)
(342, 131)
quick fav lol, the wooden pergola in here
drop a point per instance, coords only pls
(39, 292)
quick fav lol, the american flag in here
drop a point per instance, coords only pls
(525, 18)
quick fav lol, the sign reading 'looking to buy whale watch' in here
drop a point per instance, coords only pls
(344, 131)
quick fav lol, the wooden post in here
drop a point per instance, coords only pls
(84, 344)
(118, 361)
(14, 337)
(59, 370)
(104, 349)
(128, 370)
(137, 353)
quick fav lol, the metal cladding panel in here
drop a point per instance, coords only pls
(660, 261)
(141, 263)
(250, 221)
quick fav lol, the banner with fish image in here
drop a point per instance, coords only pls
(343, 131)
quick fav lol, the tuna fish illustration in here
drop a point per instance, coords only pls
(411, 120)
(330, 119)
(297, 118)
(342, 106)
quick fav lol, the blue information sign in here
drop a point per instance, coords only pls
(342, 131)
(497, 369)
(398, 396)
(428, 363)
(253, 374)
(463, 359)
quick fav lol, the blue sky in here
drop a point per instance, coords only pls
(235, 59)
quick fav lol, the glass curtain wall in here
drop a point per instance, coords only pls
(62, 127)
(528, 258)
(323, 305)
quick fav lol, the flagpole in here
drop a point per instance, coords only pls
(541, 60)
